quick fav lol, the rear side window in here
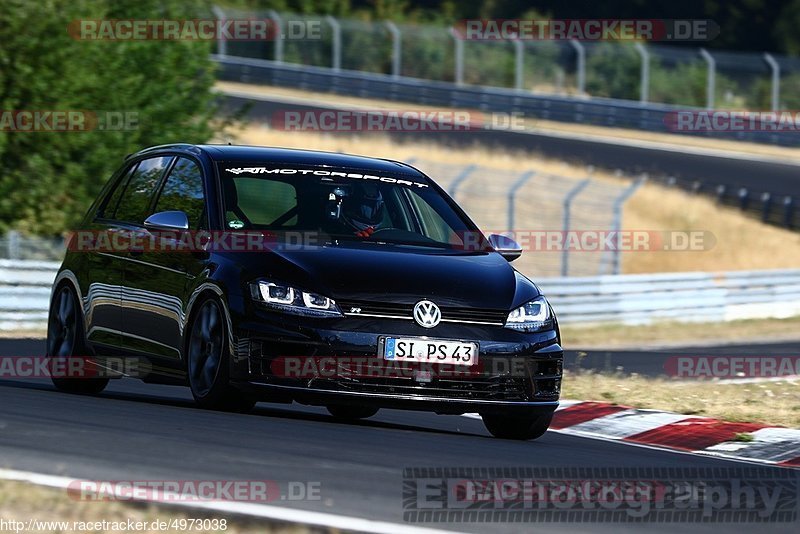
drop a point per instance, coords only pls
(134, 199)
(183, 191)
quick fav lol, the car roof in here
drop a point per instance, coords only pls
(260, 154)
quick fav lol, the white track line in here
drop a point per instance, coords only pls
(265, 511)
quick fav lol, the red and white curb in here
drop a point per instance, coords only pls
(686, 433)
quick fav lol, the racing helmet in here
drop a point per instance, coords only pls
(364, 208)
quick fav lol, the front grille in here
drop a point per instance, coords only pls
(449, 313)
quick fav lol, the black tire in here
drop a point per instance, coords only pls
(351, 413)
(65, 340)
(207, 361)
(517, 427)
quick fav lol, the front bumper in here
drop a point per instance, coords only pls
(336, 361)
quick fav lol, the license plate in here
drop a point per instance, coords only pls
(430, 350)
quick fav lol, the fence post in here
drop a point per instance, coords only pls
(766, 206)
(580, 50)
(776, 80)
(463, 175)
(644, 90)
(710, 77)
(744, 197)
(459, 56)
(788, 211)
(222, 43)
(619, 202)
(336, 48)
(567, 204)
(512, 195)
(13, 238)
(397, 39)
(519, 64)
(278, 21)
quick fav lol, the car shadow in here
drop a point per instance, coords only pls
(260, 410)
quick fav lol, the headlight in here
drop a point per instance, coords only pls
(289, 299)
(532, 316)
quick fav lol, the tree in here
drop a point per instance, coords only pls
(48, 179)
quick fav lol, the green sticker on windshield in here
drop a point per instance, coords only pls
(236, 224)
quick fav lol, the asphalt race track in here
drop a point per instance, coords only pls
(135, 431)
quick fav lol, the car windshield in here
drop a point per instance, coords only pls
(342, 204)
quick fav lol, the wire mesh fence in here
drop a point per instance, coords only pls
(538, 209)
(626, 70)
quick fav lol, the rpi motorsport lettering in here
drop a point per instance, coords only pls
(375, 120)
(317, 172)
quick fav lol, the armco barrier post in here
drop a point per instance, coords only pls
(397, 40)
(565, 225)
(512, 197)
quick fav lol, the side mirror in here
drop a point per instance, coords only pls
(167, 220)
(507, 247)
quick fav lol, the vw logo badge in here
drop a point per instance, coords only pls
(427, 314)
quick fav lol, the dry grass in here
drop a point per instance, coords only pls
(773, 403)
(533, 125)
(740, 242)
(21, 501)
(678, 334)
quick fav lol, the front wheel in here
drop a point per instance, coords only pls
(351, 413)
(207, 362)
(66, 348)
(517, 426)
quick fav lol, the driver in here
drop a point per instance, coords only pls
(364, 210)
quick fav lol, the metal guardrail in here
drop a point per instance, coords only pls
(593, 111)
(630, 299)
(683, 297)
(25, 293)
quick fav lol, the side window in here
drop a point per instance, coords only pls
(433, 226)
(135, 199)
(108, 208)
(183, 191)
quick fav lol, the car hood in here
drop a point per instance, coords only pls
(393, 273)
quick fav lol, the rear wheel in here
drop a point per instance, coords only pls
(517, 427)
(208, 360)
(66, 345)
(351, 413)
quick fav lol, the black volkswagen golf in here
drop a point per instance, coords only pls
(263, 274)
